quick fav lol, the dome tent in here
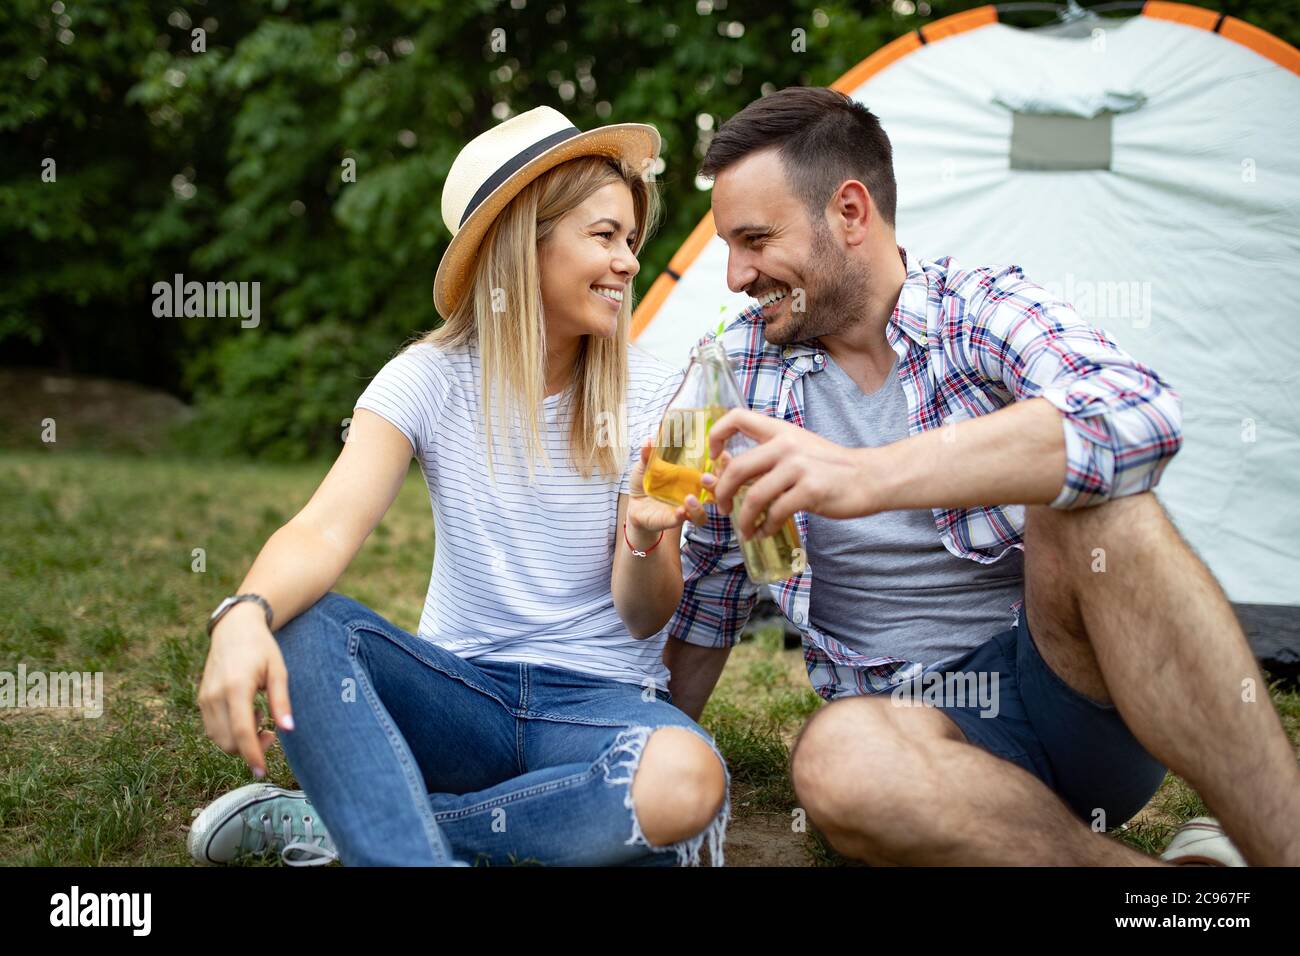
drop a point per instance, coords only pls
(1144, 169)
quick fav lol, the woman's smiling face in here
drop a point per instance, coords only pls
(587, 265)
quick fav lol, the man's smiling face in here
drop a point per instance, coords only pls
(780, 255)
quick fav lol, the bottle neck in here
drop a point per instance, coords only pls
(719, 379)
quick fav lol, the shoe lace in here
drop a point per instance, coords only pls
(313, 850)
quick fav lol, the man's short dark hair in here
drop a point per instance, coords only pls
(823, 138)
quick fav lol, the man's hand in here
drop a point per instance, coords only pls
(1015, 455)
(791, 469)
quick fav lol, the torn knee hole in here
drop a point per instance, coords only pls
(622, 763)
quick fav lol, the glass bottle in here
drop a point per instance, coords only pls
(680, 457)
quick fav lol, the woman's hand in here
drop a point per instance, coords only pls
(646, 576)
(243, 659)
(652, 515)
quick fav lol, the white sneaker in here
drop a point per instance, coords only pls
(1202, 842)
(257, 818)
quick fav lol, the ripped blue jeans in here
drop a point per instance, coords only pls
(414, 756)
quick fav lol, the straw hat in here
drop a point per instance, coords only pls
(495, 165)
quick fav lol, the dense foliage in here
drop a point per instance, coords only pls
(214, 139)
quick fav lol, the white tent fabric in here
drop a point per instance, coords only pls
(1187, 250)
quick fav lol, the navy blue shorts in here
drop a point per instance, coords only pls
(1078, 747)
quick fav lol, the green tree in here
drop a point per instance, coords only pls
(225, 154)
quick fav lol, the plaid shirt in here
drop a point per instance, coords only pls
(969, 342)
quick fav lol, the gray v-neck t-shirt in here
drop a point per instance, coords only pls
(885, 585)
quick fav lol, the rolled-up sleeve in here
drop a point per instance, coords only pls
(1122, 421)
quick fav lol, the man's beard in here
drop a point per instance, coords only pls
(836, 296)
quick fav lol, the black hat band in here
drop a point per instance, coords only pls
(512, 166)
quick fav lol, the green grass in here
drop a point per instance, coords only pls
(98, 573)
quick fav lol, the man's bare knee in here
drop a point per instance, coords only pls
(837, 763)
(679, 786)
(1085, 566)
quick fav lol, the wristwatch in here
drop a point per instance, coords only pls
(230, 602)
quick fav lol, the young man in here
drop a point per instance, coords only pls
(971, 468)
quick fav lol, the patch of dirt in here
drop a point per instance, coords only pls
(765, 839)
(97, 414)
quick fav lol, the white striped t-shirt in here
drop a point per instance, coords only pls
(520, 572)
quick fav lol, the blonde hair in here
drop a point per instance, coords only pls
(503, 311)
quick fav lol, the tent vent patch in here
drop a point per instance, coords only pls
(1052, 142)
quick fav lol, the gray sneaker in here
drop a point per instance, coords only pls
(259, 818)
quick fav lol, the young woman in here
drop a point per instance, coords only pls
(528, 719)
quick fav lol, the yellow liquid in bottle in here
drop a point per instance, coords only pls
(680, 456)
(774, 558)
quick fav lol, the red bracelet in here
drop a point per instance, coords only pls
(641, 554)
